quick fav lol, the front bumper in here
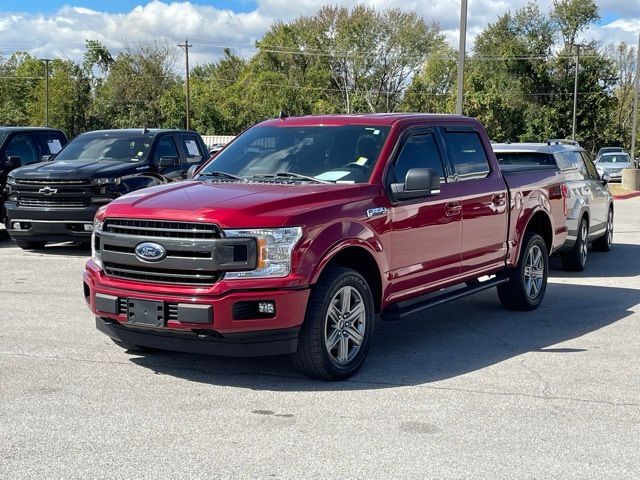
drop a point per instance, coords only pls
(225, 333)
(50, 224)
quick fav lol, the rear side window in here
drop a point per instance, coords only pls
(467, 154)
(166, 148)
(572, 165)
(418, 151)
(192, 148)
(525, 159)
(591, 168)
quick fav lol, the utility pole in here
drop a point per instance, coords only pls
(575, 93)
(461, 55)
(185, 47)
(634, 130)
(46, 91)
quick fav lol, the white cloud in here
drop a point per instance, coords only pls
(210, 29)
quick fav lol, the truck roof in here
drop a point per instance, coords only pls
(535, 147)
(382, 119)
(127, 132)
(28, 129)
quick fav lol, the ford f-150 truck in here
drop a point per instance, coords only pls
(303, 230)
(56, 200)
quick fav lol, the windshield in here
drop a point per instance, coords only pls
(525, 159)
(122, 149)
(615, 158)
(341, 154)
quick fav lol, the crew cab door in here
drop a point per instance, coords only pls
(484, 200)
(426, 232)
(166, 157)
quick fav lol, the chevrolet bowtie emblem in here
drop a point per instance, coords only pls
(48, 191)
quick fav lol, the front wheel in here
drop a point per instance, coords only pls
(528, 280)
(603, 244)
(334, 339)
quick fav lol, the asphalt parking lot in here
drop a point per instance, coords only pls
(467, 390)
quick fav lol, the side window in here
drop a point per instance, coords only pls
(591, 168)
(192, 149)
(467, 154)
(166, 148)
(579, 163)
(418, 151)
(50, 143)
(564, 161)
(22, 146)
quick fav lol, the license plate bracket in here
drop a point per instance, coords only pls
(145, 312)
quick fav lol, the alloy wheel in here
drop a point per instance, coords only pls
(534, 272)
(345, 324)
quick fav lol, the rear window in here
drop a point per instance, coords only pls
(525, 159)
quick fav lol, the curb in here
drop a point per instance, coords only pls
(624, 196)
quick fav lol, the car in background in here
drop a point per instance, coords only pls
(604, 150)
(24, 146)
(613, 164)
(215, 149)
(57, 200)
(589, 208)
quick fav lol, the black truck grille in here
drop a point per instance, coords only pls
(53, 202)
(162, 275)
(161, 229)
(48, 181)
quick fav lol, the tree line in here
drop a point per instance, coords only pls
(519, 77)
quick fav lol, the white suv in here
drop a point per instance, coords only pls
(589, 201)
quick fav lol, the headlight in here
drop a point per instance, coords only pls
(274, 251)
(106, 181)
(11, 180)
(95, 246)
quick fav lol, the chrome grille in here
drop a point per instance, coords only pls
(52, 202)
(51, 182)
(161, 229)
(160, 275)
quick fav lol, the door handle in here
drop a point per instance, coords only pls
(499, 199)
(453, 208)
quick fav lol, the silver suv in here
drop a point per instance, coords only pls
(589, 201)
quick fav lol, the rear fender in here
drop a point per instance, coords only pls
(536, 205)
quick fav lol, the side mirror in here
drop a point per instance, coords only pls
(168, 162)
(13, 162)
(192, 171)
(605, 177)
(418, 183)
(46, 158)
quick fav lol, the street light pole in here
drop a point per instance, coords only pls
(575, 93)
(185, 46)
(461, 56)
(634, 130)
(46, 91)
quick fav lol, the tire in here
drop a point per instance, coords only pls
(518, 293)
(131, 348)
(575, 260)
(603, 244)
(29, 245)
(315, 357)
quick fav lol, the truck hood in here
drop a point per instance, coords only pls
(77, 169)
(236, 204)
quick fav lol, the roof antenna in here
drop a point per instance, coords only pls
(145, 130)
(282, 115)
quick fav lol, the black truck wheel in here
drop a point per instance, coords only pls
(335, 336)
(528, 280)
(30, 245)
(603, 244)
(576, 259)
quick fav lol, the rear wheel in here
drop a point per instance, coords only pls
(334, 339)
(603, 244)
(30, 245)
(576, 259)
(528, 280)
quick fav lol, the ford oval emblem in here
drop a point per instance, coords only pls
(150, 252)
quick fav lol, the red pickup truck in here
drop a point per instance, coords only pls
(296, 236)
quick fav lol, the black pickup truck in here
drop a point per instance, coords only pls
(56, 200)
(26, 145)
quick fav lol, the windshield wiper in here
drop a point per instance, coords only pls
(293, 175)
(219, 174)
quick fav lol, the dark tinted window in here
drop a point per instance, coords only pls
(22, 146)
(50, 143)
(527, 159)
(419, 151)
(468, 155)
(192, 148)
(166, 148)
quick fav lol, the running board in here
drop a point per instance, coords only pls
(399, 312)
